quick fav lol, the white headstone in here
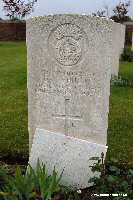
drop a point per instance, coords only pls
(122, 37)
(117, 47)
(69, 62)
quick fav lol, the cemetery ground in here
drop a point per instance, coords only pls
(14, 109)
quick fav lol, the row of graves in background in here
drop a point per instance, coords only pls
(70, 62)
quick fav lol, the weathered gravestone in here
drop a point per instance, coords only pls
(69, 62)
(122, 37)
(117, 47)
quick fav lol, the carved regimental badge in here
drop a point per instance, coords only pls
(67, 44)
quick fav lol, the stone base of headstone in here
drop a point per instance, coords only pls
(68, 153)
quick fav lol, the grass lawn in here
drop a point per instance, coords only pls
(126, 70)
(14, 108)
(13, 100)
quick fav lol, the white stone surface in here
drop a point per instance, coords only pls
(69, 70)
(117, 46)
(122, 36)
(68, 153)
(69, 62)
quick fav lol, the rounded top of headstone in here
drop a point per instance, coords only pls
(69, 16)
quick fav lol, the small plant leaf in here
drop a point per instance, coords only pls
(113, 168)
(94, 158)
(113, 160)
(117, 172)
(94, 180)
(131, 171)
(111, 178)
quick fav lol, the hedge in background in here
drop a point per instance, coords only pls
(12, 30)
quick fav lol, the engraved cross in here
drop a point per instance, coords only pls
(66, 116)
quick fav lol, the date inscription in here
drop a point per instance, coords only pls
(67, 83)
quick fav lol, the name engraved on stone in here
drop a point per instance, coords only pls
(66, 116)
(67, 44)
(67, 83)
